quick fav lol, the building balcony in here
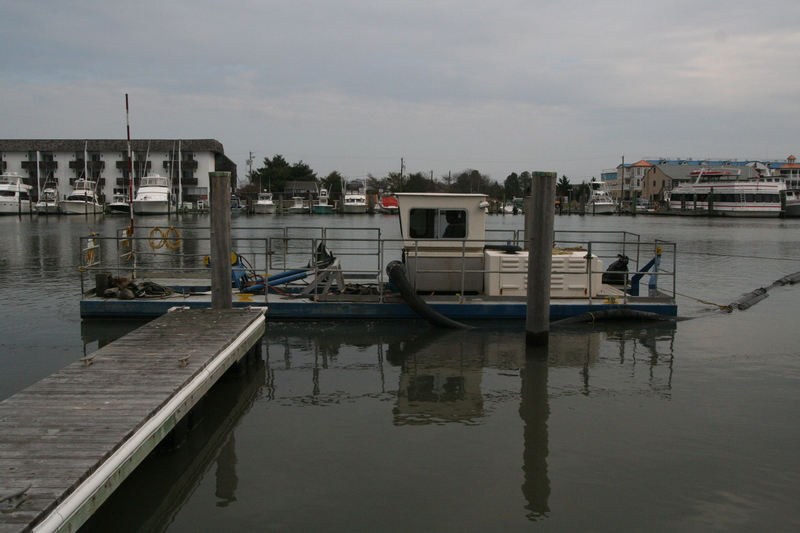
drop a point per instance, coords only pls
(184, 165)
(91, 166)
(44, 166)
(138, 166)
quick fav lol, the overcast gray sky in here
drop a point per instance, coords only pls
(353, 85)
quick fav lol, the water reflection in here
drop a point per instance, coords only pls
(419, 377)
(167, 479)
(440, 379)
(534, 410)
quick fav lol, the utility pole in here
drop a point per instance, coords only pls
(250, 170)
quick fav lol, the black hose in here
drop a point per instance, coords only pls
(397, 273)
(613, 314)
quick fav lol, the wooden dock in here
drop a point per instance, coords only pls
(67, 442)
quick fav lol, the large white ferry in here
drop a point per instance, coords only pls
(727, 193)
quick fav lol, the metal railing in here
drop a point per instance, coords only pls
(363, 255)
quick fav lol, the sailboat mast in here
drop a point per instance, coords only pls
(180, 174)
(38, 180)
(85, 163)
(130, 163)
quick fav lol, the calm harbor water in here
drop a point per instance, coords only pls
(688, 426)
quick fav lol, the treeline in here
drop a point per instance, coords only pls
(276, 171)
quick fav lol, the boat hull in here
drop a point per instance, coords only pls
(323, 209)
(145, 207)
(792, 210)
(119, 209)
(264, 209)
(722, 210)
(75, 207)
(354, 209)
(601, 209)
(305, 309)
(14, 208)
(47, 209)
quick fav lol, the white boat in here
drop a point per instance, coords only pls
(119, 204)
(791, 206)
(82, 200)
(726, 193)
(600, 202)
(14, 195)
(323, 206)
(297, 206)
(355, 198)
(48, 201)
(388, 205)
(152, 197)
(236, 204)
(264, 204)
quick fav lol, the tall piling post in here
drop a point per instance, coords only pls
(221, 294)
(539, 226)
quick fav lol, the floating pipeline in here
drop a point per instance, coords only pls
(748, 300)
(397, 273)
(614, 314)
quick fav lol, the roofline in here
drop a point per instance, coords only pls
(110, 145)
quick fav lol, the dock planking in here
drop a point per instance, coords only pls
(72, 438)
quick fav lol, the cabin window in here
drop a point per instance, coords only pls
(437, 224)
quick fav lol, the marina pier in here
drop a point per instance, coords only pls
(68, 441)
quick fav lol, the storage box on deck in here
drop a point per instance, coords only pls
(418, 261)
(507, 274)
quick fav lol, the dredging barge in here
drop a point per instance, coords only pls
(452, 263)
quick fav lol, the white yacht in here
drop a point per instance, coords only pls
(14, 195)
(264, 205)
(82, 200)
(355, 198)
(600, 202)
(152, 197)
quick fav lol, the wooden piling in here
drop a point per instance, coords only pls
(539, 226)
(221, 294)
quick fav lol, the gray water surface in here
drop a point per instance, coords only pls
(380, 426)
